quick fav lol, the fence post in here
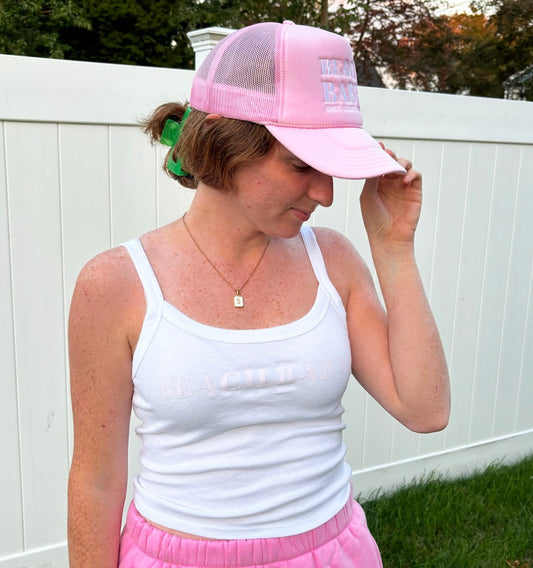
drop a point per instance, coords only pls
(204, 40)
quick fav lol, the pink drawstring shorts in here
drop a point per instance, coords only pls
(342, 542)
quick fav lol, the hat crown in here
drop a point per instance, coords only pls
(300, 82)
(282, 74)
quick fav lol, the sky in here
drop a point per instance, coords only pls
(457, 6)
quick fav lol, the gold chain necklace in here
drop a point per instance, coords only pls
(238, 300)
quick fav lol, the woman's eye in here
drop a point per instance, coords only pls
(301, 167)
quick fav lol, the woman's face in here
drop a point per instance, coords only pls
(279, 192)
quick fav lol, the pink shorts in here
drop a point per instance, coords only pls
(342, 542)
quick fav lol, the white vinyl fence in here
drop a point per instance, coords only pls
(77, 176)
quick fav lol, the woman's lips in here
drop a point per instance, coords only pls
(302, 214)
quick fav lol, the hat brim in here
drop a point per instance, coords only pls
(343, 152)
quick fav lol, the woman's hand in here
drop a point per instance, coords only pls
(391, 206)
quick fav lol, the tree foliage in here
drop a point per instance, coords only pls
(513, 24)
(239, 13)
(141, 32)
(410, 42)
(470, 53)
(33, 27)
(383, 31)
(448, 54)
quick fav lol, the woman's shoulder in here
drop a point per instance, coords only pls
(113, 272)
(346, 268)
(332, 239)
(337, 248)
(108, 281)
(107, 268)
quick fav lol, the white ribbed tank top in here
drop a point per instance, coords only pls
(241, 430)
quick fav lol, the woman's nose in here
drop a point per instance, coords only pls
(321, 190)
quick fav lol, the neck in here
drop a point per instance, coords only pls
(217, 227)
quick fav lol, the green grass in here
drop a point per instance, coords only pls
(483, 521)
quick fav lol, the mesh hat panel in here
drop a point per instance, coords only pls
(249, 63)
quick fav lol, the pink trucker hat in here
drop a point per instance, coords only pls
(300, 82)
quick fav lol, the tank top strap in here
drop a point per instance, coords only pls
(152, 290)
(320, 270)
(152, 294)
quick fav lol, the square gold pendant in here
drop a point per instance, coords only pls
(238, 300)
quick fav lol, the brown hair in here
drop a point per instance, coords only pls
(210, 151)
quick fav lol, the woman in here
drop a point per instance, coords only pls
(233, 330)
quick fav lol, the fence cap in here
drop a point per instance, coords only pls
(204, 40)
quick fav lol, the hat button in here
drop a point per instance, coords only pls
(288, 23)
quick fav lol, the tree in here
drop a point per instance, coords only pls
(382, 32)
(444, 55)
(513, 22)
(471, 54)
(136, 32)
(33, 27)
(474, 50)
(404, 39)
(485, 48)
(376, 27)
(141, 32)
(237, 14)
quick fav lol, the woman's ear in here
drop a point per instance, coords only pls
(212, 117)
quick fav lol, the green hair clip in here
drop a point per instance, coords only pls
(169, 137)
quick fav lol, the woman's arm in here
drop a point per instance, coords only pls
(101, 326)
(397, 354)
(400, 359)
